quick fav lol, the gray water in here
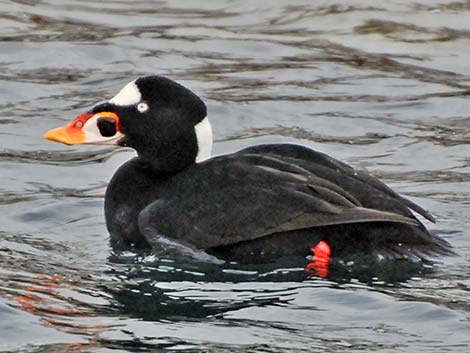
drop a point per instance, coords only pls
(382, 85)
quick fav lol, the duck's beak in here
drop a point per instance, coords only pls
(101, 128)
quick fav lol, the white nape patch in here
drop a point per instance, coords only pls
(128, 95)
(204, 139)
(93, 135)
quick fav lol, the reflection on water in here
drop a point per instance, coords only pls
(383, 86)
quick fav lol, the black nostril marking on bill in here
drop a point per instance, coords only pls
(107, 127)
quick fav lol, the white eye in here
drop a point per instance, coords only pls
(142, 107)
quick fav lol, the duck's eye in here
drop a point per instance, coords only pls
(142, 107)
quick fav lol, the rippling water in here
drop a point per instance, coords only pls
(381, 85)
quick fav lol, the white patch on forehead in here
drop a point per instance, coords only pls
(129, 95)
(204, 139)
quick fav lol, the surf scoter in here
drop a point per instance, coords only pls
(257, 204)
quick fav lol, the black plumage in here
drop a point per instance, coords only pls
(264, 202)
(253, 205)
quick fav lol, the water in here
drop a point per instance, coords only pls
(383, 86)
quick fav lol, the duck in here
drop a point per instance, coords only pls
(254, 205)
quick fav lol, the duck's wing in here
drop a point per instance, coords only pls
(369, 190)
(248, 195)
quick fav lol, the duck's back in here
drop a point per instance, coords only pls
(268, 201)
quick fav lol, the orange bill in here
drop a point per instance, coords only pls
(83, 129)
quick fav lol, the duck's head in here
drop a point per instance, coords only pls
(163, 121)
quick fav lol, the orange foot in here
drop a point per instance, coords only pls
(321, 259)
